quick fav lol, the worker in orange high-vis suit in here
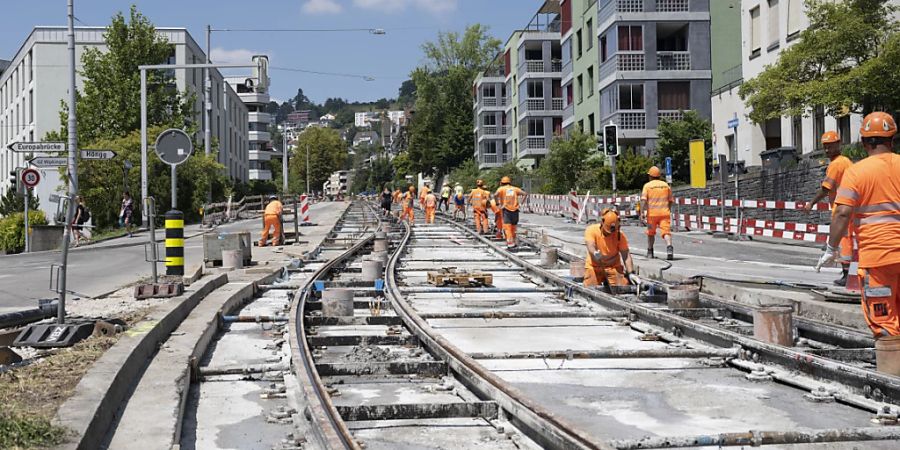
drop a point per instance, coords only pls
(396, 198)
(407, 202)
(426, 188)
(607, 249)
(869, 195)
(479, 199)
(498, 219)
(430, 204)
(656, 211)
(272, 219)
(508, 197)
(830, 185)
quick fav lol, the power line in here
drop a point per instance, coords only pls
(316, 72)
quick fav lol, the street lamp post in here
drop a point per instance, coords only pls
(72, 169)
(284, 162)
(307, 169)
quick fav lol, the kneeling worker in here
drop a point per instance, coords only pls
(656, 207)
(272, 218)
(607, 249)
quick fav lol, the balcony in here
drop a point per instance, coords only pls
(259, 174)
(569, 111)
(673, 5)
(540, 105)
(556, 104)
(260, 155)
(486, 160)
(622, 62)
(258, 136)
(495, 131)
(673, 60)
(630, 120)
(488, 102)
(539, 67)
(619, 6)
(259, 117)
(534, 104)
(253, 97)
(670, 115)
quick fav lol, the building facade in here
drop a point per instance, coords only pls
(767, 27)
(654, 64)
(254, 94)
(491, 122)
(36, 80)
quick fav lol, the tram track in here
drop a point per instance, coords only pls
(513, 364)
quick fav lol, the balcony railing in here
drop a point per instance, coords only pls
(535, 143)
(670, 115)
(569, 110)
(493, 101)
(630, 120)
(556, 104)
(493, 158)
(623, 61)
(534, 104)
(673, 60)
(539, 66)
(534, 66)
(673, 5)
(619, 6)
(494, 130)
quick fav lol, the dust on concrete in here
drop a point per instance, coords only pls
(120, 305)
(369, 353)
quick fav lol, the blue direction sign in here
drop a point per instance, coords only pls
(733, 123)
(669, 169)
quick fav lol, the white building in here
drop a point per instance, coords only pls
(36, 80)
(767, 28)
(254, 93)
(337, 183)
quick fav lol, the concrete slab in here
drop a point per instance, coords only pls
(432, 434)
(558, 338)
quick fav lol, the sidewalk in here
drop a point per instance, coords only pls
(750, 272)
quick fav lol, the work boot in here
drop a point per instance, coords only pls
(650, 252)
(842, 281)
(670, 253)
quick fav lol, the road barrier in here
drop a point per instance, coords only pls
(304, 208)
(175, 243)
(222, 212)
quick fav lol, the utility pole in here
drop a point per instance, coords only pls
(284, 162)
(307, 169)
(207, 97)
(72, 168)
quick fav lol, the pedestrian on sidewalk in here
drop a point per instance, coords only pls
(459, 201)
(272, 219)
(508, 197)
(656, 211)
(430, 204)
(126, 213)
(607, 250)
(407, 203)
(445, 196)
(479, 198)
(82, 215)
(838, 166)
(870, 195)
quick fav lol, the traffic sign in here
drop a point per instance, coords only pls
(669, 169)
(30, 178)
(48, 161)
(34, 147)
(733, 123)
(98, 154)
(174, 146)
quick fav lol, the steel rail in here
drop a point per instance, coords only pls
(333, 431)
(536, 422)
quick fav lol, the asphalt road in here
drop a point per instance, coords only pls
(94, 271)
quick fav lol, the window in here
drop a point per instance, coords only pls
(579, 88)
(535, 89)
(631, 38)
(631, 96)
(578, 44)
(818, 126)
(488, 91)
(794, 16)
(591, 129)
(674, 96)
(603, 55)
(590, 34)
(590, 81)
(797, 132)
(489, 120)
(755, 38)
(773, 18)
(31, 106)
(536, 127)
(843, 124)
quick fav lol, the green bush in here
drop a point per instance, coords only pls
(12, 234)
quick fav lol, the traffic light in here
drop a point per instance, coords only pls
(611, 139)
(15, 183)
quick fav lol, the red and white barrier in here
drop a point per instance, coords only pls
(574, 206)
(304, 208)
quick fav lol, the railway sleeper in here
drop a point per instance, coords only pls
(350, 340)
(419, 368)
(487, 410)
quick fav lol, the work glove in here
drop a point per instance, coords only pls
(831, 253)
(634, 279)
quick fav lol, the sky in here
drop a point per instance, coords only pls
(387, 58)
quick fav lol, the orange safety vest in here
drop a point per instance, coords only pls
(274, 208)
(658, 195)
(509, 197)
(478, 198)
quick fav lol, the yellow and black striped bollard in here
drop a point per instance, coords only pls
(175, 243)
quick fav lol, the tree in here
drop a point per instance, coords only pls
(327, 154)
(466, 174)
(674, 141)
(406, 96)
(472, 51)
(12, 203)
(564, 167)
(631, 173)
(845, 61)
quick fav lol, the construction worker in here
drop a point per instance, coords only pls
(830, 185)
(407, 203)
(870, 195)
(656, 207)
(508, 198)
(479, 199)
(445, 196)
(459, 202)
(430, 204)
(607, 249)
(426, 188)
(498, 218)
(272, 218)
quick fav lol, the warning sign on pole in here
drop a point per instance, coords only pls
(698, 163)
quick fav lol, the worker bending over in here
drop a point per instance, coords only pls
(607, 249)
(870, 195)
(830, 185)
(498, 219)
(406, 203)
(272, 218)
(459, 202)
(430, 204)
(656, 211)
(508, 198)
(479, 199)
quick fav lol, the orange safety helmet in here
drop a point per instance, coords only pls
(609, 220)
(505, 180)
(830, 137)
(479, 183)
(654, 172)
(412, 188)
(878, 124)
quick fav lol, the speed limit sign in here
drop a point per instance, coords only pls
(30, 178)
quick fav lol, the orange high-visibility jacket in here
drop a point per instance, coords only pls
(508, 197)
(658, 195)
(274, 208)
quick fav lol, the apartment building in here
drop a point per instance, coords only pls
(767, 27)
(254, 93)
(491, 123)
(654, 63)
(580, 65)
(36, 80)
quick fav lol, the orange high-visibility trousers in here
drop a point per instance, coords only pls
(595, 276)
(269, 221)
(498, 224)
(847, 247)
(429, 214)
(881, 299)
(481, 220)
(510, 232)
(408, 213)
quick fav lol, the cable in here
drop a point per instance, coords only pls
(315, 72)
